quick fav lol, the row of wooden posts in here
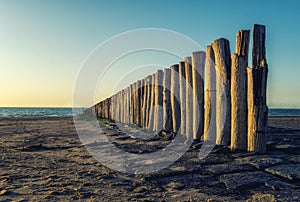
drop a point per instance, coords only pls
(230, 109)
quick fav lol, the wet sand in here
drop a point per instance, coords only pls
(42, 159)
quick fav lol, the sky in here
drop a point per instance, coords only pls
(44, 43)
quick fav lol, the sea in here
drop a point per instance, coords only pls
(57, 112)
(39, 111)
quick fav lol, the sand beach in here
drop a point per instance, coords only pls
(42, 159)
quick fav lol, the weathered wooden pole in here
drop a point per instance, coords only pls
(108, 108)
(257, 86)
(137, 103)
(167, 109)
(117, 108)
(104, 108)
(198, 65)
(152, 103)
(101, 114)
(115, 104)
(131, 108)
(148, 100)
(175, 97)
(122, 106)
(239, 117)
(189, 97)
(134, 94)
(97, 110)
(182, 83)
(141, 98)
(223, 65)
(144, 104)
(128, 104)
(111, 107)
(100, 109)
(158, 112)
(210, 96)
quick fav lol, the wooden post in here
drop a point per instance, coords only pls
(145, 98)
(131, 108)
(104, 108)
(158, 112)
(134, 94)
(111, 107)
(198, 65)
(189, 97)
(137, 103)
(121, 106)
(210, 96)
(167, 109)
(182, 84)
(124, 105)
(257, 85)
(128, 105)
(148, 100)
(141, 98)
(239, 92)
(152, 103)
(175, 97)
(116, 108)
(108, 108)
(223, 64)
(97, 110)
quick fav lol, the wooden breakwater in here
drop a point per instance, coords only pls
(212, 92)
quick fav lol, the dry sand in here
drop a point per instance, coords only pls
(42, 159)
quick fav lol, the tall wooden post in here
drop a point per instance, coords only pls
(158, 112)
(122, 105)
(189, 97)
(148, 100)
(257, 86)
(182, 84)
(112, 107)
(138, 103)
(114, 110)
(210, 96)
(97, 110)
(140, 99)
(108, 107)
(144, 103)
(198, 65)
(131, 108)
(152, 103)
(167, 109)
(126, 110)
(239, 92)
(223, 65)
(175, 97)
(118, 108)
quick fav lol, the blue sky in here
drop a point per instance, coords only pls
(44, 43)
